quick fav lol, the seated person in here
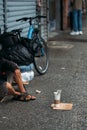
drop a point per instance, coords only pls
(6, 88)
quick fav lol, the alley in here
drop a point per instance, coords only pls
(68, 72)
(67, 69)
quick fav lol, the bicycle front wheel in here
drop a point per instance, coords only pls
(41, 58)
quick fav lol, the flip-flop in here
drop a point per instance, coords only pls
(24, 97)
(31, 97)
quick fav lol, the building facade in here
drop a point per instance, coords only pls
(57, 12)
(11, 10)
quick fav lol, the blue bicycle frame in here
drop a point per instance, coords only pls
(30, 32)
(30, 36)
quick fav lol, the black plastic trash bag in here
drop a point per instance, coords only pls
(18, 54)
(8, 39)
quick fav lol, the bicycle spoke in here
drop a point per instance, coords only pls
(41, 60)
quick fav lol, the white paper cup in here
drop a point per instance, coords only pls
(57, 97)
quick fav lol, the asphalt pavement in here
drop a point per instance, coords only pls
(67, 72)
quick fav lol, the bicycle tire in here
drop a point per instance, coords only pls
(41, 62)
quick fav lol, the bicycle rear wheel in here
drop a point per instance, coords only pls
(41, 58)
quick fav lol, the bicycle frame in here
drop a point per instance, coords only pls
(30, 32)
(30, 36)
(31, 29)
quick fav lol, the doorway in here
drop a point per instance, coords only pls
(55, 15)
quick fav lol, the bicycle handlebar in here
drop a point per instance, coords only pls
(30, 18)
(41, 16)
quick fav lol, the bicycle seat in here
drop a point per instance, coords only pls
(17, 30)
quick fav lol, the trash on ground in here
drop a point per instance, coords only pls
(63, 68)
(57, 96)
(62, 106)
(58, 105)
(38, 91)
(27, 76)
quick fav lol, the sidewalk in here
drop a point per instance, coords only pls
(65, 35)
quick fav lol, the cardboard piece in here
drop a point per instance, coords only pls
(62, 106)
(25, 83)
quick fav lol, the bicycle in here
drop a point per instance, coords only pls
(40, 57)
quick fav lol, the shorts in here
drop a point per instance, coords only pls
(8, 66)
(3, 89)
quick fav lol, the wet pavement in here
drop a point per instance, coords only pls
(68, 72)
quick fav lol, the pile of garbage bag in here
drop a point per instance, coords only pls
(13, 49)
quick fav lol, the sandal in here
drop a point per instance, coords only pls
(24, 97)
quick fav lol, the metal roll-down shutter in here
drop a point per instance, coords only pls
(17, 9)
(1, 16)
(44, 27)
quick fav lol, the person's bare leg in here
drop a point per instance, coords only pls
(18, 79)
(11, 90)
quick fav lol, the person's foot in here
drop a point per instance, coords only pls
(24, 97)
(74, 33)
(30, 97)
(80, 32)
